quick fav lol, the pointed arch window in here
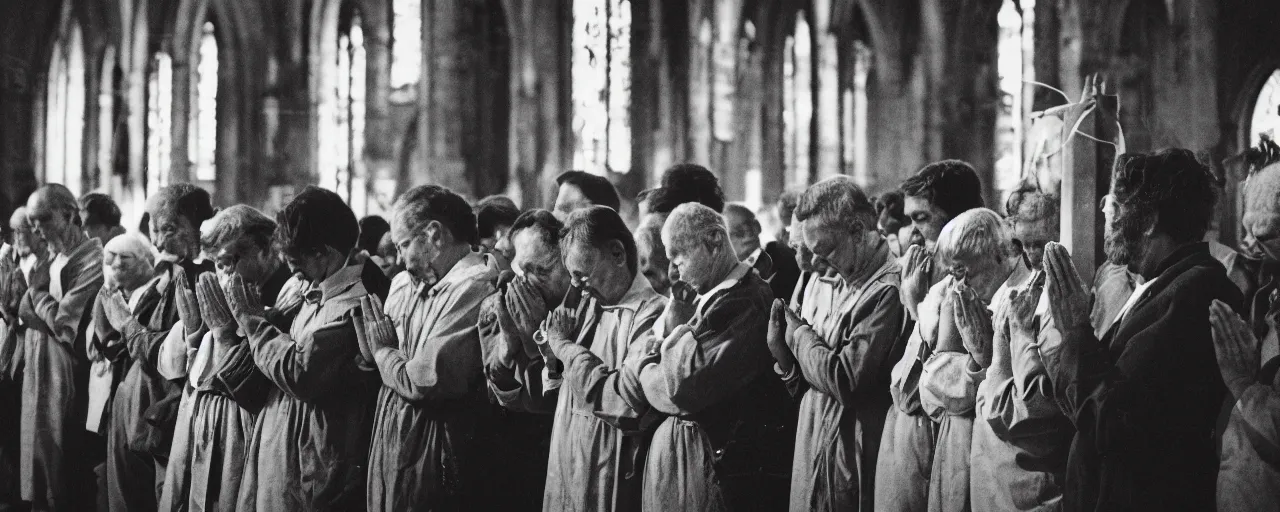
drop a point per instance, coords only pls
(65, 112)
(1266, 111)
(1016, 20)
(601, 76)
(797, 109)
(203, 132)
(159, 122)
(406, 47)
(343, 136)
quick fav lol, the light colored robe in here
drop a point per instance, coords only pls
(310, 442)
(55, 380)
(844, 378)
(594, 438)
(427, 439)
(700, 380)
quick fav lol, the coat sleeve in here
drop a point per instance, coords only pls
(613, 394)
(63, 319)
(447, 363)
(235, 375)
(723, 352)
(305, 369)
(1021, 406)
(1259, 409)
(849, 372)
(517, 386)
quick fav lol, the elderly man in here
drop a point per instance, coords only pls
(223, 388)
(426, 346)
(1145, 398)
(774, 263)
(101, 217)
(514, 366)
(843, 373)
(136, 445)
(595, 446)
(17, 260)
(709, 374)
(579, 190)
(56, 310)
(1249, 356)
(310, 441)
(651, 255)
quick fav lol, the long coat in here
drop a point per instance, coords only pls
(55, 379)
(843, 376)
(427, 428)
(1145, 399)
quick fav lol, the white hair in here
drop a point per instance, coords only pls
(134, 245)
(695, 223)
(975, 233)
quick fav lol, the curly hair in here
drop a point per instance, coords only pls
(1030, 204)
(952, 185)
(1172, 185)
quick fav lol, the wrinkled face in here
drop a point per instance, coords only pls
(691, 260)
(601, 273)
(743, 236)
(982, 273)
(50, 225)
(25, 242)
(254, 264)
(839, 247)
(1261, 219)
(124, 270)
(174, 235)
(416, 249)
(1123, 242)
(1032, 235)
(568, 199)
(540, 264)
(927, 221)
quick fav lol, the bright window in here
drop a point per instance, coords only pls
(64, 123)
(406, 48)
(601, 72)
(1014, 64)
(797, 108)
(342, 169)
(1266, 111)
(203, 134)
(159, 119)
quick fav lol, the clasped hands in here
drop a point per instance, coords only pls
(783, 324)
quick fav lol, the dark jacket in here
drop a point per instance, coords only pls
(783, 271)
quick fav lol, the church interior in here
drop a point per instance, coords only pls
(253, 100)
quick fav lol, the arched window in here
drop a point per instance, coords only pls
(159, 121)
(1266, 111)
(342, 144)
(1014, 64)
(601, 76)
(65, 109)
(203, 132)
(106, 120)
(853, 109)
(406, 48)
(797, 109)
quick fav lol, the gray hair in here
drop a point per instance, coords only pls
(236, 222)
(695, 223)
(1025, 205)
(135, 245)
(748, 217)
(840, 201)
(58, 198)
(976, 233)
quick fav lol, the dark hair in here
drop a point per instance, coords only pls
(372, 228)
(951, 185)
(598, 226)
(315, 219)
(548, 226)
(187, 200)
(687, 183)
(748, 216)
(492, 212)
(596, 189)
(1170, 184)
(890, 209)
(787, 202)
(1030, 203)
(425, 203)
(100, 210)
(839, 200)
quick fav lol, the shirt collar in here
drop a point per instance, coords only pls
(335, 285)
(462, 270)
(733, 278)
(640, 291)
(751, 259)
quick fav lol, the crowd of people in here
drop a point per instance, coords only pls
(908, 353)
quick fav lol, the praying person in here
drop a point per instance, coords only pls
(707, 374)
(137, 446)
(56, 308)
(1145, 397)
(597, 444)
(310, 441)
(17, 260)
(426, 347)
(224, 389)
(843, 374)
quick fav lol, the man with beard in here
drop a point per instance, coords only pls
(144, 408)
(310, 441)
(57, 310)
(596, 451)
(223, 388)
(843, 375)
(1144, 398)
(708, 374)
(933, 196)
(513, 365)
(1112, 283)
(427, 452)
(17, 260)
(1249, 359)
(1020, 436)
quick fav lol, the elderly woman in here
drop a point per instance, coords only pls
(977, 250)
(128, 264)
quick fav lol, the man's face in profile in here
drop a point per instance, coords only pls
(927, 220)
